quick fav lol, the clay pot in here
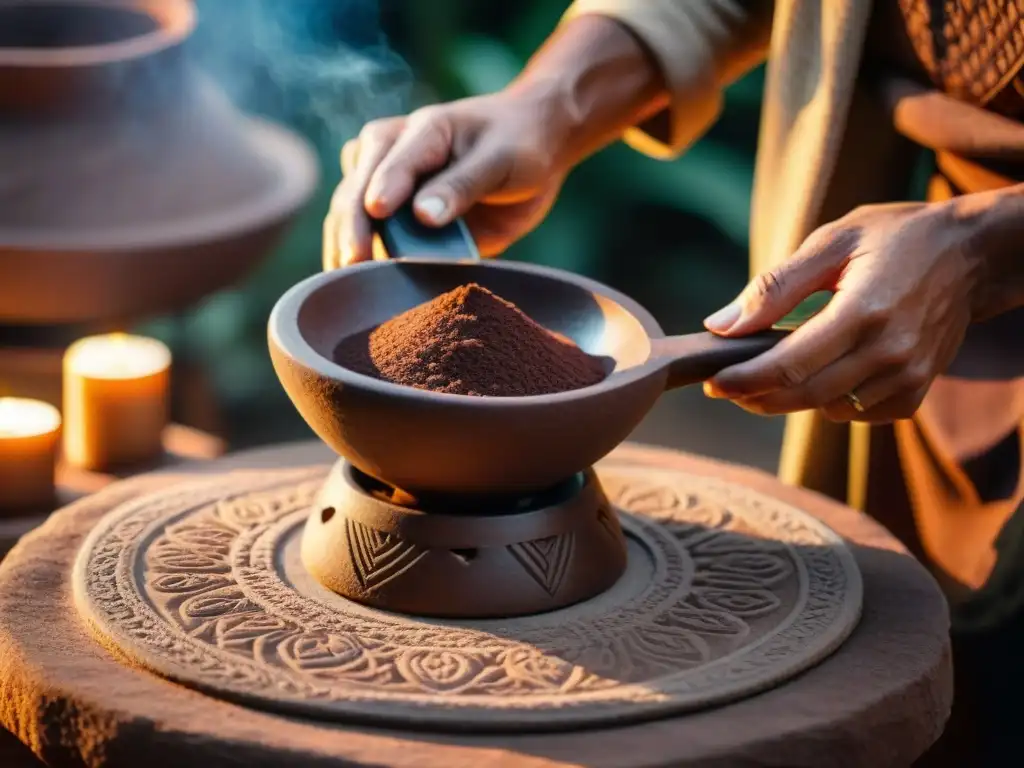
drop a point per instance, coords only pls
(129, 185)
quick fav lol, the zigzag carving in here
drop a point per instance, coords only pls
(379, 557)
(546, 560)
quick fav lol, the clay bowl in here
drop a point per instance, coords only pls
(433, 444)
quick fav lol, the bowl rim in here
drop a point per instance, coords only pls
(284, 335)
(175, 20)
(296, 173)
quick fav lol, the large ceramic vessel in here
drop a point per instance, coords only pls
(129, 185)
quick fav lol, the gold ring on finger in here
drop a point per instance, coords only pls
(855, 402)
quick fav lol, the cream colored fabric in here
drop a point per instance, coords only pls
(814, 55)
(701, 45)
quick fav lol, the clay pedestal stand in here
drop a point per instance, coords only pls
(168, 620)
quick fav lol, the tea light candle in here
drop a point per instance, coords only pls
(115, 401)
(29, 432)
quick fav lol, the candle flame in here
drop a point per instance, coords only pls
(117, 356)
(20, 417)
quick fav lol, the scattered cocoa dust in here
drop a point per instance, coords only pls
(470, 342)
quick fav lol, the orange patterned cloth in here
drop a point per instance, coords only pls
(972, 50)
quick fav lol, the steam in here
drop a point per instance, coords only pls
(324, 63)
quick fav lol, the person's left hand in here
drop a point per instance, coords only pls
(905, 279)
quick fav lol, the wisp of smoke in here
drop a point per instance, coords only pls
(325, 61)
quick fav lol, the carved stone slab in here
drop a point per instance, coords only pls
(727, 593)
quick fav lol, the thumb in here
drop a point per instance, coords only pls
(772, 295)
(461, 186)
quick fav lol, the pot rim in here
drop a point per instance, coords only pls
(175, 20)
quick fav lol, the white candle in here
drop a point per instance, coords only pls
(29, 432)
(115, 401)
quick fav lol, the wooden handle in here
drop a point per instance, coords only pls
(699, 356)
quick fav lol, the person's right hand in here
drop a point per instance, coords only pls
(493, 159)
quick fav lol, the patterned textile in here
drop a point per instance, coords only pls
(972, 49)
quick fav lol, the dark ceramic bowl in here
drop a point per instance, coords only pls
(430, 443)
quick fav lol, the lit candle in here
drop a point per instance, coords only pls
(29, 433)
(115, 401)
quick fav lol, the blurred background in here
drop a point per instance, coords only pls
(672, 235)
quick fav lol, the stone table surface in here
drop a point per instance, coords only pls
(881, 700)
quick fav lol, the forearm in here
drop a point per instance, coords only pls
(589, 82)
(995, 222)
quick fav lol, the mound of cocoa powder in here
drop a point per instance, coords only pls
(470, 342)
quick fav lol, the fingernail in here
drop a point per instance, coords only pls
(723, 319)
(432, 209)
(710, 390)
(374, 199)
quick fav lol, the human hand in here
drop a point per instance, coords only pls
(496, 163)
(906, 281)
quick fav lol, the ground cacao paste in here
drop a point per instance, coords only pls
(470, 342)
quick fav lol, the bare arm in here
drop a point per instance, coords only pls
(995, 222)
(590, 81)
(653, 70)
(701, 46)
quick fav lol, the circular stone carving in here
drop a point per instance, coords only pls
(726, 593)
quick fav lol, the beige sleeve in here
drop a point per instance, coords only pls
(702, 46)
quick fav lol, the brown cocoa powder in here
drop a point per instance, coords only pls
(470, 342)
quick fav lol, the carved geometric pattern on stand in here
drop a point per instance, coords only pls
(726, 593)
(379, 557)
(546, 560)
